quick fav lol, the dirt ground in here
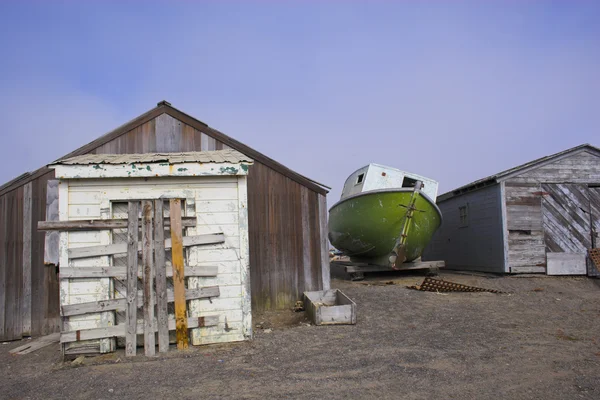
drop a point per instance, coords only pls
(540, 341)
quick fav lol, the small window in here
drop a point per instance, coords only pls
(409, 182)
(360, 178)
(463, 214)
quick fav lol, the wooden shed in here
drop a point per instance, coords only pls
(139, 254)
(287, 217)
(539, 217)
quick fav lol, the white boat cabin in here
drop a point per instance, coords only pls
(377, 177)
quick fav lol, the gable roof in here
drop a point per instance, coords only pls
(504, 175)
(165, 107)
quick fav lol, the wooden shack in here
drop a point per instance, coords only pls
(113, 206)
(539, 217)
(287, 218)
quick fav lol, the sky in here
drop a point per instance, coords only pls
(453, 90)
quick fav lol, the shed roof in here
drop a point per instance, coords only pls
(501, 176)
(165, 107)
(216, 156)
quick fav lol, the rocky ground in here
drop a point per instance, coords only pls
(541, 340)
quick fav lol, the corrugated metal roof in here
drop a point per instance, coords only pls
(217, 156)
(500, 175)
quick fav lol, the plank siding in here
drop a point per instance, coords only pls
(581, 167)
(279, 274)
(477, 246)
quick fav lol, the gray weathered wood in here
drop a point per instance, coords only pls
(132, 272)
(36, 344)
(100, 224)
(306, 241)
(325, 268)
(329, 307)
(566, 264)
(27, 225)
(168, 134)
(52, 239)
(148, 277)
(119, 248)
(353, 268)
(69, 310)
(121, 272)
(162, 316)
(119, 330)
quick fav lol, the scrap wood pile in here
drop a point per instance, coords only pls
(438, 285)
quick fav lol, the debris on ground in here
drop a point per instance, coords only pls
(299, 306)
(438, 285)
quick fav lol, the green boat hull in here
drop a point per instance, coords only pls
(367, 226)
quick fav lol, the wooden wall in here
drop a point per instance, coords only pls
(477, 246)
(524, 194)
(288, 254)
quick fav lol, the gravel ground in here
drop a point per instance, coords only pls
(540, 341)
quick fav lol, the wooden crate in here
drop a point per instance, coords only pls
(329, 307)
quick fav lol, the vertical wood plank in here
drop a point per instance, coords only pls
(132, 269)
(306, 240)
(3, 240)
(27, 228)
(324, 243)
(161, 278)
(148, 274)
(52, 238)
(178, 276)
(244, 257)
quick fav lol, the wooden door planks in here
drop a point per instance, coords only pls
(132, 277)
(119, 330)
(69, 310)
(148, 275)
(118, 248)
(162, 316)
(178, 274)
(100, 224)
(121, 272)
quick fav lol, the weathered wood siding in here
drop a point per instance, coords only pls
(551, 188)
(581, 167)
(477, 246)
(526, 248)
(279, 274)
(217, 203)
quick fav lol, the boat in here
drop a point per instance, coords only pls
(385, 216)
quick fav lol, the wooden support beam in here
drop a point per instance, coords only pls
(119, 248)
(27, 228)
(100, 224)
(148, 277)
(121, 272)
(69, 310)
(119, 330)
(132, 272)
(52, 239)
(162, 315)
(178, 274)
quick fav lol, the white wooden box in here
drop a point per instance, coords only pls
(329, 307)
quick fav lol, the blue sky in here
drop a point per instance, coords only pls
(454, 90)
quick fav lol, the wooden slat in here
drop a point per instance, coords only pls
(100, 224)
(325, 272)
(119, 330)
(118, 248)
(132, 271)
(162, 316)
(178, 274)
(148, 275)
(36, 344)
(121, 272)
(27, 225)
(52, 239)
(69, 310)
